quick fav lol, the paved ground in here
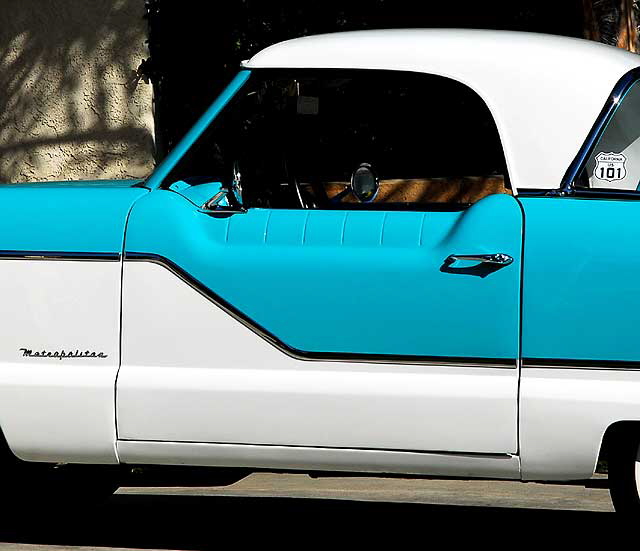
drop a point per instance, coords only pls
(300, 511)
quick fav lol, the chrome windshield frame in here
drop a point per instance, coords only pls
(567, 186)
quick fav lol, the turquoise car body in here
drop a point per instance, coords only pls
(263, 264)
(494, 337)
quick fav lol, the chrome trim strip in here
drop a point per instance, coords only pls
(601, 365)
(582, 193)
(58, 255)
(160, 260)
(439, 452)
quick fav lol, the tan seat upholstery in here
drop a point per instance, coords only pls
(433, 190)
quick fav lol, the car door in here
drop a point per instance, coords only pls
(339, 325)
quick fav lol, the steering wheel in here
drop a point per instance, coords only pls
(294, 186)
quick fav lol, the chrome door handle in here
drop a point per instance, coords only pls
(500, 259)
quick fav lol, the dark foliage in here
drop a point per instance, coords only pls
(196, 45)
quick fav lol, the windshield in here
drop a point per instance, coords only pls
(615, 160)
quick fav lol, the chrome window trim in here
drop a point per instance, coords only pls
(567, 186)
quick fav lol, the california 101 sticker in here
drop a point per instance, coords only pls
(610, 166)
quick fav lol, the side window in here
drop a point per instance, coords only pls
(297, 138)
(615, 160)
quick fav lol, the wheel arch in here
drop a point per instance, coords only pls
(611, 439)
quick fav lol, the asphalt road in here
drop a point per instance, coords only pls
(296, 510)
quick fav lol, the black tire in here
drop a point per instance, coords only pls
(624, 473)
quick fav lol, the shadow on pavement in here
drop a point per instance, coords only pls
(198, 522)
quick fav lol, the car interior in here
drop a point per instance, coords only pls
(372, 140)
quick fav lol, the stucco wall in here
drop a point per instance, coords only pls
(70, 104)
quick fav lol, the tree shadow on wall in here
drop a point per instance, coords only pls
(71, 106)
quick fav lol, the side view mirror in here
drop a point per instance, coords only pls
(227, 199)
(218, 201)
(364, 183)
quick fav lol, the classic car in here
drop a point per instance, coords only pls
(398, 251)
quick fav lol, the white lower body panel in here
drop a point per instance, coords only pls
(55, 409)
(192, 373)
(564, 415)
(321, 459)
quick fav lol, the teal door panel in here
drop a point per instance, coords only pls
(350, 282)
(581, 266)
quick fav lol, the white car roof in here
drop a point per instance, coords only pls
(545, 91)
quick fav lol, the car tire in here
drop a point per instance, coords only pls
(624, 473)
